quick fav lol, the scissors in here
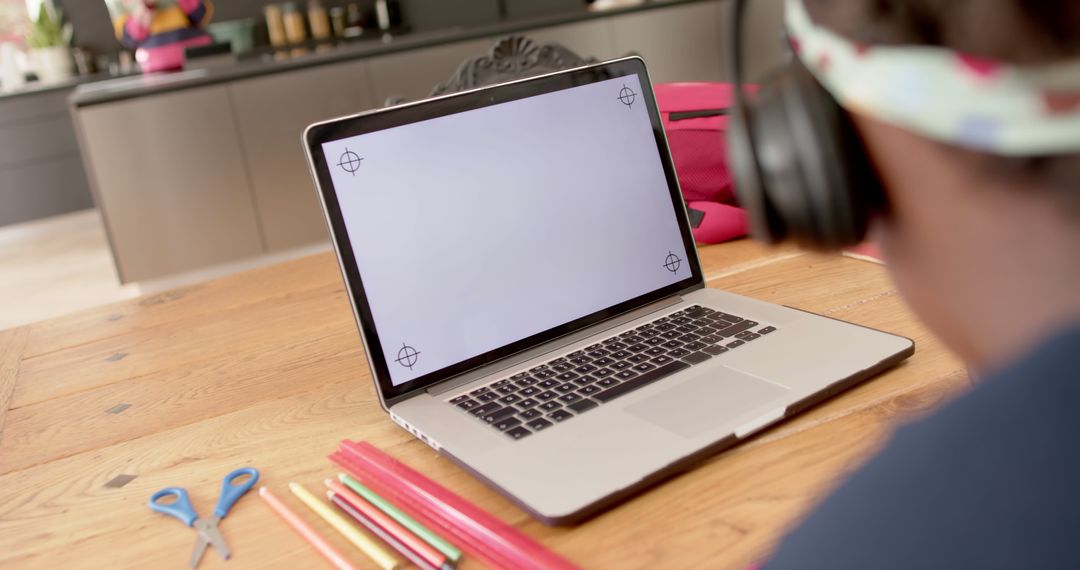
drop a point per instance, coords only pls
(206, 528)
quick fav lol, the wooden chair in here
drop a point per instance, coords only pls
(512, 57)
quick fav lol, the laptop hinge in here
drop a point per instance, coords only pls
(551, 346)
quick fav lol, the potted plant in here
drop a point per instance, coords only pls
(49, 41)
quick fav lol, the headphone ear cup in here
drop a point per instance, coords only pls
(782, 180)
(764, 223)
(816, 184)
(838, 177)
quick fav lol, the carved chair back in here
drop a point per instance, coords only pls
(512, 57)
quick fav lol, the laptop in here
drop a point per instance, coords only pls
(522, 273)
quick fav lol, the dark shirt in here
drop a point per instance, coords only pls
(992, 480)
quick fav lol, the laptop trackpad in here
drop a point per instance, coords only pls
(701, 404)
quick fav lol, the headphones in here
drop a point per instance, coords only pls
(801, 170)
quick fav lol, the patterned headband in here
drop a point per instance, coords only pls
(944, 95)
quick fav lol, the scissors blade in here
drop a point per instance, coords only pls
(198, 551)
(208, 532)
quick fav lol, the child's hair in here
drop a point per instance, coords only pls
(1023, 32)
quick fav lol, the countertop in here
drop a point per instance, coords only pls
(138, 86)
(38, 88)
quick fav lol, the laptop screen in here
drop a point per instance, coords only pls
(475, 230)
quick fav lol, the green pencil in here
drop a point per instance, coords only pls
(405, 520)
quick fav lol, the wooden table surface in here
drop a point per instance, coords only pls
(100, 409)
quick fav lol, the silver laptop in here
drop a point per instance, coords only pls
(523, 275)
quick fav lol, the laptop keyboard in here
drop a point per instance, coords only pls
(571, 385)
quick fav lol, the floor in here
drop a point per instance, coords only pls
(56, 266)
(60, 265)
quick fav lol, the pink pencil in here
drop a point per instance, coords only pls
(304, 530)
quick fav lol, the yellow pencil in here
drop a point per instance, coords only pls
(379, 554)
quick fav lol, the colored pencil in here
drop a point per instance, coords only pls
(412, 542)
(374, 550)
(478, 532)
(378, 531)
(304, 530)
(449, 550)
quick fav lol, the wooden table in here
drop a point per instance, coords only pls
(99, 409)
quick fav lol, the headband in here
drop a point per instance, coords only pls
(944, 95)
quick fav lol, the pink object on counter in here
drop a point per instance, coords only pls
(136, 30)
(168, 57)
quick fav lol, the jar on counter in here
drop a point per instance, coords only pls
(388, 14)
(382, 14)
(275, 25)
(318, 20)
(295, 29)
(354, 16)
(338, 21)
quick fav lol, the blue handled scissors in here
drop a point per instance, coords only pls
(207, 529)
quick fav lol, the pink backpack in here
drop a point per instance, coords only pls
(695, 118)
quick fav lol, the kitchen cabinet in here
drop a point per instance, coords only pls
(40, 171)
(40, 189)
(592, 38)
(271, 113)
(765, 44)
(170, 178)
(206, 168)
(679, 43)
(412, 75)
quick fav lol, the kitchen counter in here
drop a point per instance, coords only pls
(41, 174)
(130, 87)
(38, 88)
(204, 167)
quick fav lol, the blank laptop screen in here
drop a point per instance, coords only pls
(475, 230)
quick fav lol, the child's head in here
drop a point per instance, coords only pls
(985, 245)
(1028, 33)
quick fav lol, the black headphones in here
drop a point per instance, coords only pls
(801, 170)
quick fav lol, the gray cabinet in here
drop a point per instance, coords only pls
(271, 113)
(37, 140)
(689, 42)
(592, 38)
(413, 74)
(29, 106)
(679, 43)
(764, 48)
(40, 171)
(169, 177)
(40, 189)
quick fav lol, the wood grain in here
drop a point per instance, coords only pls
(12, 347)
(265, 368)
(256, 286)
